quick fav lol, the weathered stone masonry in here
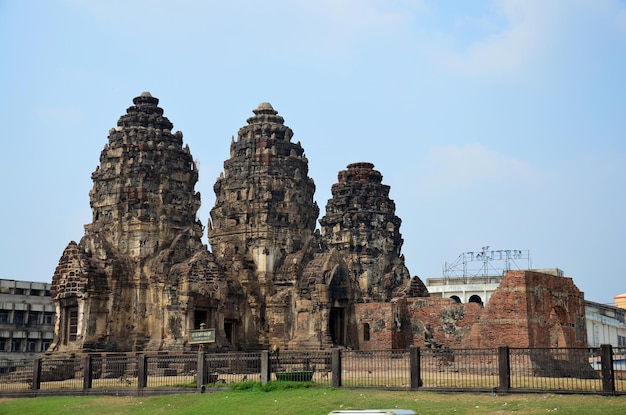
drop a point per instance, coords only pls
(140, 278)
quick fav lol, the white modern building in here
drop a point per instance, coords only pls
(605, 324)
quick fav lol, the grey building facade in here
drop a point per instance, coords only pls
(27, 316)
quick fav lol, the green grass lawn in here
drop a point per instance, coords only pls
(317, 401)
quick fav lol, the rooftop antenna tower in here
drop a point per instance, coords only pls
(486, 263)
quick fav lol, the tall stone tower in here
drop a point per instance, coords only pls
(361, 223)
(143, 192)
(140, 277)
(264, 209)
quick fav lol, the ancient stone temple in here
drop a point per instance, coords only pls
(140, 279)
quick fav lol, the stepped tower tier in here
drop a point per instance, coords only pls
(264, 208)
(361, 223)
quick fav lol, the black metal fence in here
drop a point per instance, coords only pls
(225, 368)
(378, 369)
(564, 370)
(555, 369)
(314, 366)
(460, 369)
(619, 367)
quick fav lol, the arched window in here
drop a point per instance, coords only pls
(456, 299)
(476, 299)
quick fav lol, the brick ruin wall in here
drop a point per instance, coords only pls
(532, 309)
(529, 309)
(423, 322)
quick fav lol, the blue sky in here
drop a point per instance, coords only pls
(495, 123)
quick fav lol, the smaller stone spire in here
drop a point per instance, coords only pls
(146, 98)
(362, 172)
(265, 106)
(266, 115)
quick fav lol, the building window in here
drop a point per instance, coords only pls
(366, 332)
(44, 345)
(18, 317)
(16, 345)
(31, 346)
(47, 318)
(4, 316)
(33, 318)
(3, 344)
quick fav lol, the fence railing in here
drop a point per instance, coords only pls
(619, 367)
(573, 370)
(555, 369)
(449, 369)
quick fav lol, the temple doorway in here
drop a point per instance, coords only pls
(339, 293)
(336, 326)
(229, 331)
(200, 317)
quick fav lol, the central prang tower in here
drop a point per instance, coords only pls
(264, 209)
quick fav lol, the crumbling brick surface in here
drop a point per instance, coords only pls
(532, 309)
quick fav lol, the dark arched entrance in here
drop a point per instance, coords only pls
(339, 294)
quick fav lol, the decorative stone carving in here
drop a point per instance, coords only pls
(141, 279)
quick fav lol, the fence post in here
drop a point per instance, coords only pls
(266, 372)
(142, 371)
(36, 383)
(201, 371)
(87, 372)
(415, 367)
(504, 365)
(336, 367)
(608, 375)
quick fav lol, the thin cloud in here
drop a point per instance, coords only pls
(59, 115)
(340, 28)
(535, 33)
(513, 47)
(473, 166)
(355, 19)
(326, 29)
(621, 20)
